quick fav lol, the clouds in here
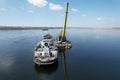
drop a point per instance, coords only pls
(43, 3)
(30, 11)
(100, 19)
(55, 7)
(3, 9)
(105, 19)
(74, 10)
(38, 3)
(83, 15)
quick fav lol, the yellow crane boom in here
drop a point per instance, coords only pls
(63, 31)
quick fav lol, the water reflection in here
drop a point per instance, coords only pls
(97, 53)
(46, 69)
(46, 72)
(62, 52)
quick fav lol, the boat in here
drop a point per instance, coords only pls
(45, 51)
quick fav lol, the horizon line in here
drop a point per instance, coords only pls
(46, 28)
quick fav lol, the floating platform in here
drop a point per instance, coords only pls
(65, 45)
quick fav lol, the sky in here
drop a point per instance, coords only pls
(50, 13)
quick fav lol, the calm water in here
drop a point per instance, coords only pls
(95, 55)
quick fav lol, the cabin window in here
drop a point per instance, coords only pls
(40, 54)
(46, 44)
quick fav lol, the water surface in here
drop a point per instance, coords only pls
(95, 55)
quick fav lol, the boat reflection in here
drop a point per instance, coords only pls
(46, 69)
(46, 72)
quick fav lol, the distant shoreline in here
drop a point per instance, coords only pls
(46, 28)
(28, 28)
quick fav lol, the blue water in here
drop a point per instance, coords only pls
(95, 55)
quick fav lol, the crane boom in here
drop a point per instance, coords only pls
(63, 31)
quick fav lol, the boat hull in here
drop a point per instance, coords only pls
(40, 63)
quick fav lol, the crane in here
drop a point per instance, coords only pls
(62, 36)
